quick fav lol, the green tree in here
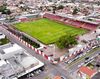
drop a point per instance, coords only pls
(40, 8)
(48, 9)
(4, 10)
(98, 3)
(21, 2)
(73, 1)
(66, 41)
(60, 7)
(24, 8)
(75, 11)
(54, 9)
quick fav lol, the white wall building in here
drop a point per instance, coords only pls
(16, 62)
(2, 36)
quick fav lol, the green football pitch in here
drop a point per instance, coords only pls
(48, 31)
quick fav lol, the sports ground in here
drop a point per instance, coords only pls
(47, 31)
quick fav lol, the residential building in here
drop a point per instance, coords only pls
(85, 72)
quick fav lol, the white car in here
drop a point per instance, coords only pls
(80, 65)
(70, 61)
(62, 77)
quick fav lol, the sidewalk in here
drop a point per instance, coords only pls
(54, 51)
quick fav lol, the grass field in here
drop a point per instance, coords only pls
(47, 31)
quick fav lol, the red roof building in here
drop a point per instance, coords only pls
(57, 77)
(85, 72)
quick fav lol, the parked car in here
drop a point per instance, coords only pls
(62, 77)
(86, 58)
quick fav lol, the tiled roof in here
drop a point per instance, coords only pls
(87, 71)
(57, 77)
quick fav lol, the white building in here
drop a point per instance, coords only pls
(16, 62)
(2, 36)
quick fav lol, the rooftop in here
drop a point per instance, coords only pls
(57, 77)
(14, 62)
(87, 71)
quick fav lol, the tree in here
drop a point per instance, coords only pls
(4, 10)
(40, 8)
(73, 1)
(60, 7)
(98, 3)
(48, 9)
(54, 9)
(75, 11)
(24, 7)
(66, 41)
(21, 2)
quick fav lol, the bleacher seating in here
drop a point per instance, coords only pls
(67, 21)
(89, 26)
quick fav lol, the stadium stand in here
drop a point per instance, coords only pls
(68, 21)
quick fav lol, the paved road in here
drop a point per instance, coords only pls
(74, 65)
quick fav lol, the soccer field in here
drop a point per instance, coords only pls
(47, 31)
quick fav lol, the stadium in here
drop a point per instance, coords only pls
(50, 28)
(49, 39)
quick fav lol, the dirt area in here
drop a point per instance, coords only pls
(54, 51)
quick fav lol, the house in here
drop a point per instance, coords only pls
(85, 72)
(57, 77)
